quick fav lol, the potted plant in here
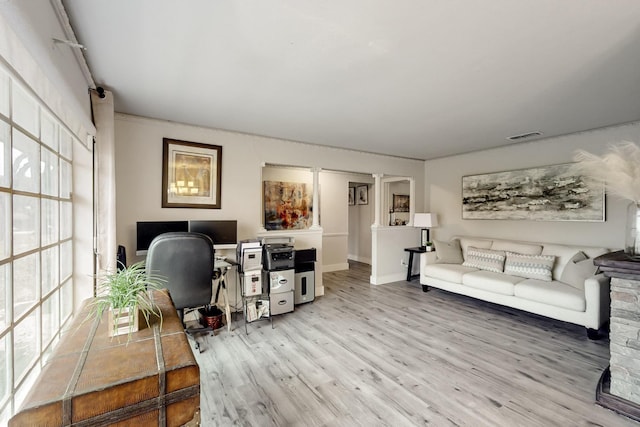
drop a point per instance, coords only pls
(619, 170)
(125, 294)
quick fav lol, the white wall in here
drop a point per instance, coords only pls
(334, 219)
(139, 176)
(444, 177)
(389, 257)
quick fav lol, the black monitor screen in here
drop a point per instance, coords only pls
(146, 231)
(221, 232)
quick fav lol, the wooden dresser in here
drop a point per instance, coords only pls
(93, 380)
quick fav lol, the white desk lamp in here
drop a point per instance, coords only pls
(425, 221)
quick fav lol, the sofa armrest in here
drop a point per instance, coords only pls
(597, 296)
(427, 258)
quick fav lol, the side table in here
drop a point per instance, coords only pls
(412, 252)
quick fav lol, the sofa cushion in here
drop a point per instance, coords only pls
(448, 272)
(519, 248)
(553, 293)
(484, 259)
(466, 242)
(499, 283)
(577, 270)
(564, 253)
(448, 252)
(529, 266)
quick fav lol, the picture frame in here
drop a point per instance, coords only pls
(401, 203)
(287, 205)
(545, 193)
(191, 174)
(362, 193)
(352, 196)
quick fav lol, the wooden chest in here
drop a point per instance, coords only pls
(93, 380)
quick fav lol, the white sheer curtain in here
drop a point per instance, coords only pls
(105, 181)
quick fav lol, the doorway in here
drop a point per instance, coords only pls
(361, 217)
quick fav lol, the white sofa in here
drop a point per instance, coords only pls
(582, 298)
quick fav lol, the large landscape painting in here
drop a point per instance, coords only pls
(549, 193)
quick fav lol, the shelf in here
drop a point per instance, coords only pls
(255, 308)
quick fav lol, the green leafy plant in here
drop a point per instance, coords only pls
(125, 292)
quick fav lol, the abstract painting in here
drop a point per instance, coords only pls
(548, 193)
(287, 205)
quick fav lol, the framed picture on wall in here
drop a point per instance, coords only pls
(362, 193)
(352, 196)
(544, 193)
(287, 206)
(191, 174)
(401, 203)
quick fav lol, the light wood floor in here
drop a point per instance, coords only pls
(393, 355)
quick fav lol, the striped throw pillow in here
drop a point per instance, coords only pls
(530, 266)
(485, 259)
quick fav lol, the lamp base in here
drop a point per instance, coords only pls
(424, 237)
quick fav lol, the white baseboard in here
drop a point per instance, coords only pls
(359, 259)
(381, 280)
(335, 267)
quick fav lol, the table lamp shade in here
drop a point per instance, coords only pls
(425, 221)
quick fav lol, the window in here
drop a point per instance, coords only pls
(36, 289)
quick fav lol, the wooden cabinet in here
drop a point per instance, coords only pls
(94, 380)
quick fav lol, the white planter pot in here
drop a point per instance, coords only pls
(123, 321)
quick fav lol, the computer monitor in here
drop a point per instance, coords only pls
(223, 233)
(146, 231)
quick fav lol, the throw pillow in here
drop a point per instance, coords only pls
(579, 256)
(448, 252)
(577, 270)
(530, 266)
(485, 259)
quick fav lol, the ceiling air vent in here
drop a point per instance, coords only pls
(524, 136)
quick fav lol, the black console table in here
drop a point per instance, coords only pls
(412, 252)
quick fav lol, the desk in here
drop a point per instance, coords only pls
(412, 252)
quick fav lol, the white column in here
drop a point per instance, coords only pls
(412, 201)
(260, 212)
(378, 199)
(316, 208)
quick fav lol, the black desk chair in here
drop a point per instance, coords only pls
(185, 260)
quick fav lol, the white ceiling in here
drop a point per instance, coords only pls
(412, 78)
